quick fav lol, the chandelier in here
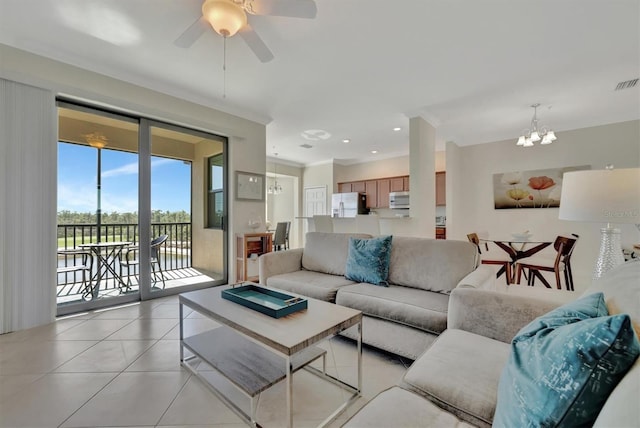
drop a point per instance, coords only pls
(275, 188)
(535, 134)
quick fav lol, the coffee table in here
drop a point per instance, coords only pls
(255, 351)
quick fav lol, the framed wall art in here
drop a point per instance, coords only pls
(249, 186)
(540, 188)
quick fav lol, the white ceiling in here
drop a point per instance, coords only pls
(363, 67)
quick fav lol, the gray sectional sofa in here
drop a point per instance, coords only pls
(455, 382)
(403, 318)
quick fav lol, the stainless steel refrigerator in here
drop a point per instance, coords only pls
(348, 204)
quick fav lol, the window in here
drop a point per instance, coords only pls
(215, 202)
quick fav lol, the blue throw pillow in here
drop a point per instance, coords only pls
(368, 260)
(564, 365)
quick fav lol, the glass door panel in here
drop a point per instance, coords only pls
(188, 249)
(97, 207)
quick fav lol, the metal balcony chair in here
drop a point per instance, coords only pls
(501, 260)
(82, 262)
(564, 247)
(129, 260)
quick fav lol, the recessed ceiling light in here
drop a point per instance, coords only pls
(397, 128)
(374, 151)
(346, 140)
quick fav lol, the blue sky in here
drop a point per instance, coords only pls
(77, 178)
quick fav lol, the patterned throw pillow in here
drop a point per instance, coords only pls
(564, 365)
(368, 260)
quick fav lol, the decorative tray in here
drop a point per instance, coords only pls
(276, 304)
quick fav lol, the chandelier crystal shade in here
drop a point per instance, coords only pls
(536, 132)
(275, 188)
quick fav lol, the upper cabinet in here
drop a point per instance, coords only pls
(378, 190)
(441, 191)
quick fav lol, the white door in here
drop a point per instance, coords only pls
(315, 203)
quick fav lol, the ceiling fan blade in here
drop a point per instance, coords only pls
(292, 8)
(191, 34)
(255, 43)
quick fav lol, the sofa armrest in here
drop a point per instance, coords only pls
(278, 262)
(492, 314)
(483, 277)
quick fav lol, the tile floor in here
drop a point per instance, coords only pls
(120, 368)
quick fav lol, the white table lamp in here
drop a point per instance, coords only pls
(603, 196)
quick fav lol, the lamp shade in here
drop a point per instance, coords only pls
(225, 16)
(601, 196)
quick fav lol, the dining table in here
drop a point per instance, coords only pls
(518, 248)
(107, 256)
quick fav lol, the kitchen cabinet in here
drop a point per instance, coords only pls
(358, 186)
(250, 246)
(344, 187)
(371, 189)
(405, 183)
(441, 233)
(384, 186)
(396, 184)
(441, 193)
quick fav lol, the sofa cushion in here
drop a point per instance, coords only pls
(327, 252)
(311, 284)
(621, 289)
(460, 372)
(396, 407)
(368, 260)
(564, 365)
(418, 308)
(430, 264)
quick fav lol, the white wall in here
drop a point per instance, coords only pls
(470, 189)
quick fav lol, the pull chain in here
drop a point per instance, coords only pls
(224, 69)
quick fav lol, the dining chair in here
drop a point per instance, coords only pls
(82, 261)
(280, 237)
(564, 247)
(503, 261)
(286, 238)
(129, 260)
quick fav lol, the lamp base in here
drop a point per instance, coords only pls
(610, 252)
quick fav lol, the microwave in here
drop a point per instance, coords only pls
(399, 200)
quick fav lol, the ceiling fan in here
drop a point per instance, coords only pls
(228, 17)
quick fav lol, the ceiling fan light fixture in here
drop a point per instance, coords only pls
(225, 16)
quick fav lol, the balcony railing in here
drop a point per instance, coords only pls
(175, 254)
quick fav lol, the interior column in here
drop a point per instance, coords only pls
(422, 174)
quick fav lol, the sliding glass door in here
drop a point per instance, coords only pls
(133, 209)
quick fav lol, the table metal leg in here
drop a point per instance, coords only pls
(180, 312)
(360, 357)
(289, 392)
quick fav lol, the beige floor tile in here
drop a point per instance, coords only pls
(239, 425)
(166, 310)
(93, 329)
(130, 399)
(197, 405)
(163, 356)
(191, 326)
(11, 385)
(144, 328)
(107, 356)
(48, 401)
(41, 333)
(125, 312)
(375, 378)
(29, 357)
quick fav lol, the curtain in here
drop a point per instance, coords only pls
(28, 174)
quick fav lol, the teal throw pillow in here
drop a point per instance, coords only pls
(368, 260)
(564, 365)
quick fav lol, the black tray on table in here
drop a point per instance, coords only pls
(276, 304)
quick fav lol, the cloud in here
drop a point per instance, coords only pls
(132, 168)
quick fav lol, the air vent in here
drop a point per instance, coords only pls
(306, 146)
(626, 85)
